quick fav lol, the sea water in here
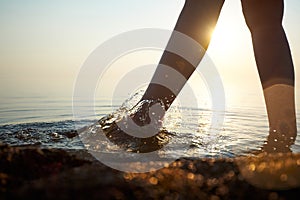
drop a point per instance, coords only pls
(48, 122)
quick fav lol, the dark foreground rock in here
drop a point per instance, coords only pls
(33, 173)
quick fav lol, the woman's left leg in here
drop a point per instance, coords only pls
(276, 70)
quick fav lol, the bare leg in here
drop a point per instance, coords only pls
(276, 70)
(197, 19)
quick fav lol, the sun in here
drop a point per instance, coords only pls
(223, 34)
(231, 35)
(226, 37)
(231, 43)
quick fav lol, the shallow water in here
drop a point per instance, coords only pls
(49, 122)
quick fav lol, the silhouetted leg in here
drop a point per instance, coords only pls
(197, 20)
(276, 70)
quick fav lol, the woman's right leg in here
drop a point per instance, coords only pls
(197, 21)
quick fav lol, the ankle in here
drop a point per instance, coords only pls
(148, 111)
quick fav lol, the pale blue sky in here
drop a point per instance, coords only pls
(43, 43)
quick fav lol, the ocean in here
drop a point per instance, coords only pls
(48, 122)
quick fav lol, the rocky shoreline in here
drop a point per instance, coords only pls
(28, 172)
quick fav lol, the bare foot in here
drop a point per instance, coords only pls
(140, 131)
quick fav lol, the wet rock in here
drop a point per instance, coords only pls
(21, 164)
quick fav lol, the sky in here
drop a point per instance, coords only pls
(43, 43)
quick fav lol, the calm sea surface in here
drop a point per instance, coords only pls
(49, 122)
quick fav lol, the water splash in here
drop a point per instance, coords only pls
(187, 129)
